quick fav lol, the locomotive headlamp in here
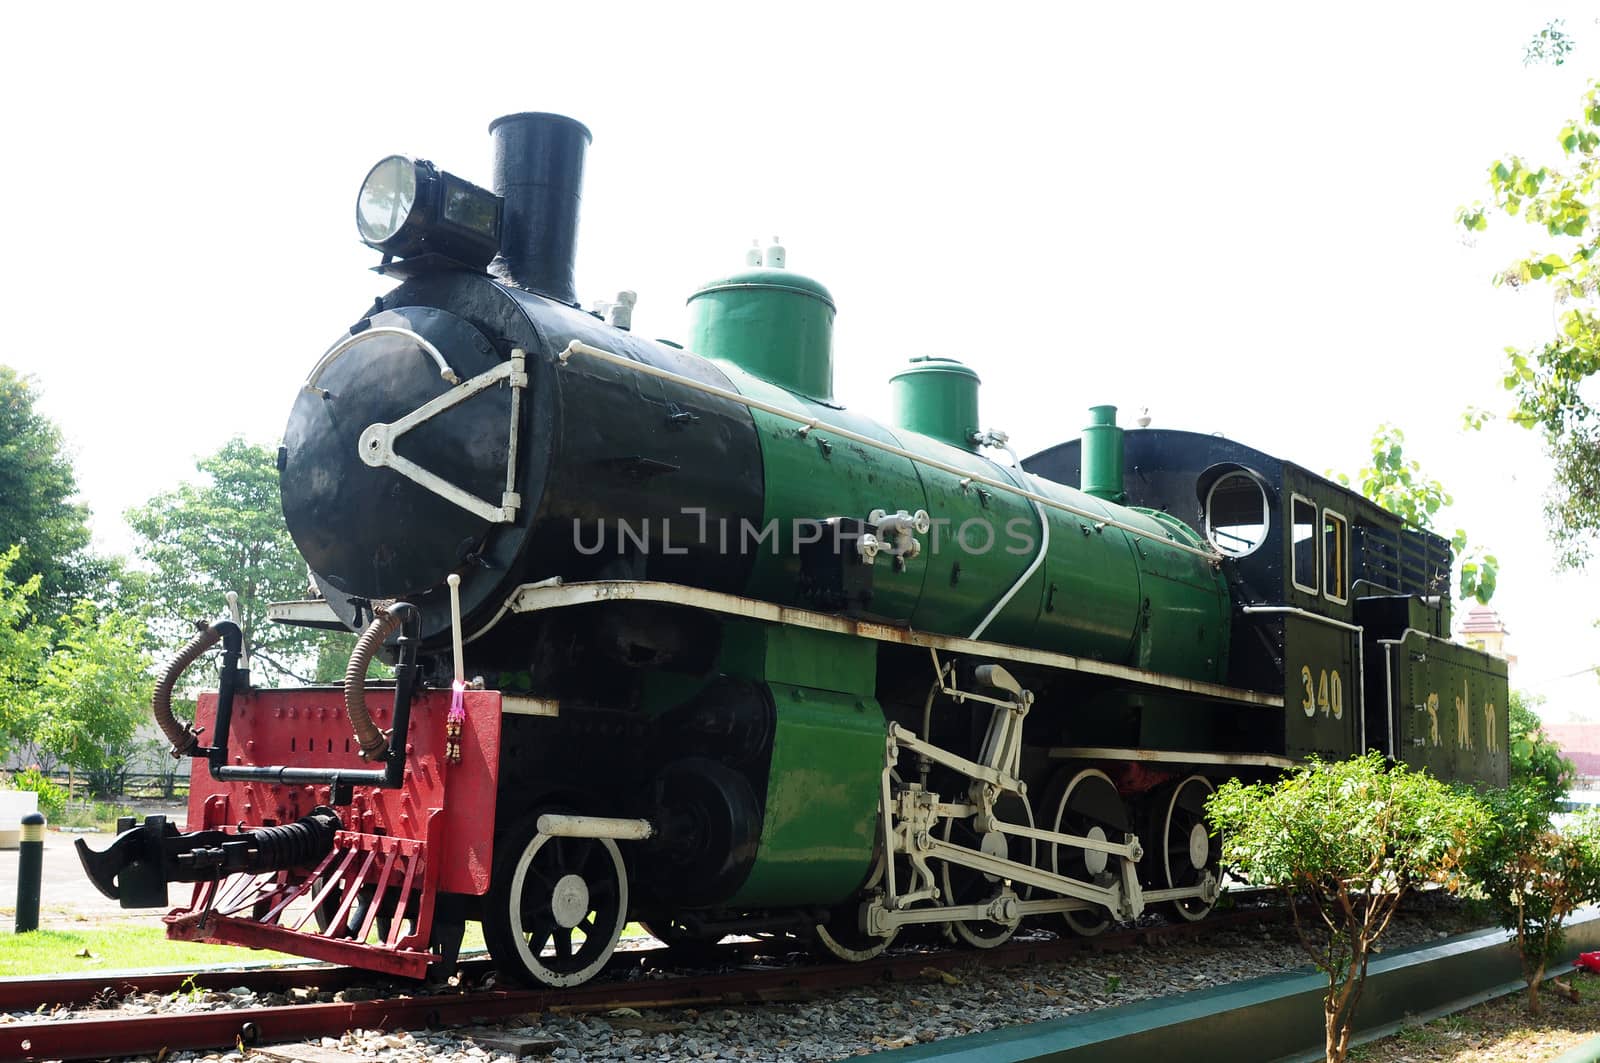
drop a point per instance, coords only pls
(387, 197)
(409, 207)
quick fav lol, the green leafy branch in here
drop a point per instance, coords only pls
(1546, 383)
(1396, 482)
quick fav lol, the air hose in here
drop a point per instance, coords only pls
(183, 736)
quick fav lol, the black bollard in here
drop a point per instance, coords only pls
(30, 866)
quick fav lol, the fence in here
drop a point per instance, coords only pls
(125, 786)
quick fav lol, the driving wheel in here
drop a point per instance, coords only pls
(1189, 848)
(1090, 807)
(966, 885)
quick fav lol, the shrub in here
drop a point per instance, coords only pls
(52, 798)
(1536, 761)
(1354, 837)
(1534, 876)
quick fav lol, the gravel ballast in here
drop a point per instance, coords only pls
(839, 1023)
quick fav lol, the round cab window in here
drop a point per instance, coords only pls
(1236, 514)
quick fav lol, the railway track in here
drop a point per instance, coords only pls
(635, 979)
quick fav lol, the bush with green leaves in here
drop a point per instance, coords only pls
(1536, 759)
(52, 798)
(1353, 838)
(1396, 482)
(1534, 876)
(93, 693)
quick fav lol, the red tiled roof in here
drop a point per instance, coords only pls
(1580, 743)
(1580, 737)
(1483, 620)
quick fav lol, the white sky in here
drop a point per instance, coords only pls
(1240, 216)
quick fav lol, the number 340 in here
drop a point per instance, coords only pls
(1328, 694)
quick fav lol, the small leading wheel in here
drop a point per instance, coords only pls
(556, 906)
(1090, 807)
(1188, 849)
(965, 885)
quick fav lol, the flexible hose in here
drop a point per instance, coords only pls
(373, 742)
(183, 736)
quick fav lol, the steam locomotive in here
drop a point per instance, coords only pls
(679, 638)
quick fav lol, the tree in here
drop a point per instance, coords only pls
(1355, 838)
(93, 692)
(1550, 45)
(1548, 383)
(1397, 483)
(1534, 876)
(23, 645)
(1536, 760)
(39, 516)
(226, 533)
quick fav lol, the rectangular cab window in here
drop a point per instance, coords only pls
(1303, 543)
(1335, 547)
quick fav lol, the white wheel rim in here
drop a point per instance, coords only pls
(1061, 811)
(1166, 829)
(519, 933)
(1190, 908)
(1089, 921)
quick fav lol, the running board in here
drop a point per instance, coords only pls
(1163, 756)
(548, 595)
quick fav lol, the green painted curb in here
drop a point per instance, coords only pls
(1588, 1052)
(1276, 1017)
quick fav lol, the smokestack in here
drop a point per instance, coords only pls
(538, 170)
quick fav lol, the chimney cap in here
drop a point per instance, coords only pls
(522, 116)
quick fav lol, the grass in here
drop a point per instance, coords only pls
(1498, 1031)
(125, 946)
(111, 947)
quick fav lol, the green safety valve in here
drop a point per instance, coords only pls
(30, 865)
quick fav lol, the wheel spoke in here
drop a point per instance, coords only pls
(563, 942)
(536, 907)
(538, 938)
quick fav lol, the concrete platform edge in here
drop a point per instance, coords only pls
(1276, 1017)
